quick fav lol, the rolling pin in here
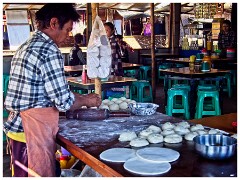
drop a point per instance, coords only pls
(94, 114)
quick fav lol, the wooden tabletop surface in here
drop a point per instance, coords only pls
(87, 139)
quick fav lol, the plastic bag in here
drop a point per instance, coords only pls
(99, 55)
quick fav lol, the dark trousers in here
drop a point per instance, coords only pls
(19, 153)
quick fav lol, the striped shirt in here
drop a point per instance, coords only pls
(37, 80)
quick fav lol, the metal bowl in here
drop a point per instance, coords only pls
(143, 108)
(215, 146)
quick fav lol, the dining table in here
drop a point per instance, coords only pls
(193, 76)
(159, 56)
(86, 140)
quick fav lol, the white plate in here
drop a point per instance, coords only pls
(142, 167)
(157, 154)
(118, 154)
(205, 70)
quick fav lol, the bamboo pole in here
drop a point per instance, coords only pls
(98, 86)
(153, 51)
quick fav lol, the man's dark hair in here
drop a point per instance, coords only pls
(227, 22)
(109, 24)
(62, 11)
(78, 38)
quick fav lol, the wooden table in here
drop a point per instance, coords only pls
(157, 55)
(87, 139)
(193, 77)
(79, 68)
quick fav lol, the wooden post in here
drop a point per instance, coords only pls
(98, 86)
(153, 52)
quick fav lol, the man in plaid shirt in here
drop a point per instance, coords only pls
(38, 90)
(226, 37)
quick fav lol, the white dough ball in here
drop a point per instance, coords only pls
(168, 125)
(184, 124)
(110, 103)
(123, 105)
(122, 98)
(104, 107)
(213, 131)
(145, 133)
(197, 127)
(133, 102)
(114, 99)
(155, 129)
(190, 136)
(114, 107)
(105, 101)
(118, 101)
(155, 138)
(127, 100)
(167, 132)
(181, 130)
(127, 136)
(201, 132)
(173, 138)
(139, 142)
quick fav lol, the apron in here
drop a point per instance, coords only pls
(40, 127)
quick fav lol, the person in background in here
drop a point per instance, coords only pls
(38, 90)
(124, 48)
(147, 28)
(116, 58)
(76, 55)
(226, 37)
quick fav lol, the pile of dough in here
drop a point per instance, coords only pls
(197, 127)
(139, 142)
(155, 138)
(167, 132)
(184, 124)
(114, 107)
(181, 130)
(145, 133)
(168, 125)
(201, 132)
(127, 136)
(103, 106)
(155, 129)
(190, 136)
(173, 138)
(116, 104)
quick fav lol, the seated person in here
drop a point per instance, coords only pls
(124, 48)
(76, 55)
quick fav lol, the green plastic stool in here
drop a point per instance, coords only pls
(178, 102)
(144, 72)
(227, 84)
(138, 91)
(131, 73)
(201, 110)
(170, 109)
(4, 137)
(5, 87)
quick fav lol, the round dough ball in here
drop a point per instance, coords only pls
(173, 138)
(168, 125)
(197, 127)
(110, 103)
(155, 129)
(118, 101)
(133, 102)
(145, 133)
(181, 130)
(234, 136)
(104, 107)
(201, 132)
(167, 132)
(213, 131)
(114, 99)
(127, 136)
(127, 100)
(184, 124)
(114, 107)
(155, 138)
(123, 105)
(105, 101)
(190, 136)
(139, 142)
(122, 98)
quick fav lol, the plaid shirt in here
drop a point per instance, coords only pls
(37, 80)
(226, 40)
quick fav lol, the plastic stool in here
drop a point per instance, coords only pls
(131, 73)
(144, 72)
(180, 86)
(201, 110)
(170, 102)
(227, 81)
(137, 91)
(5, 84)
